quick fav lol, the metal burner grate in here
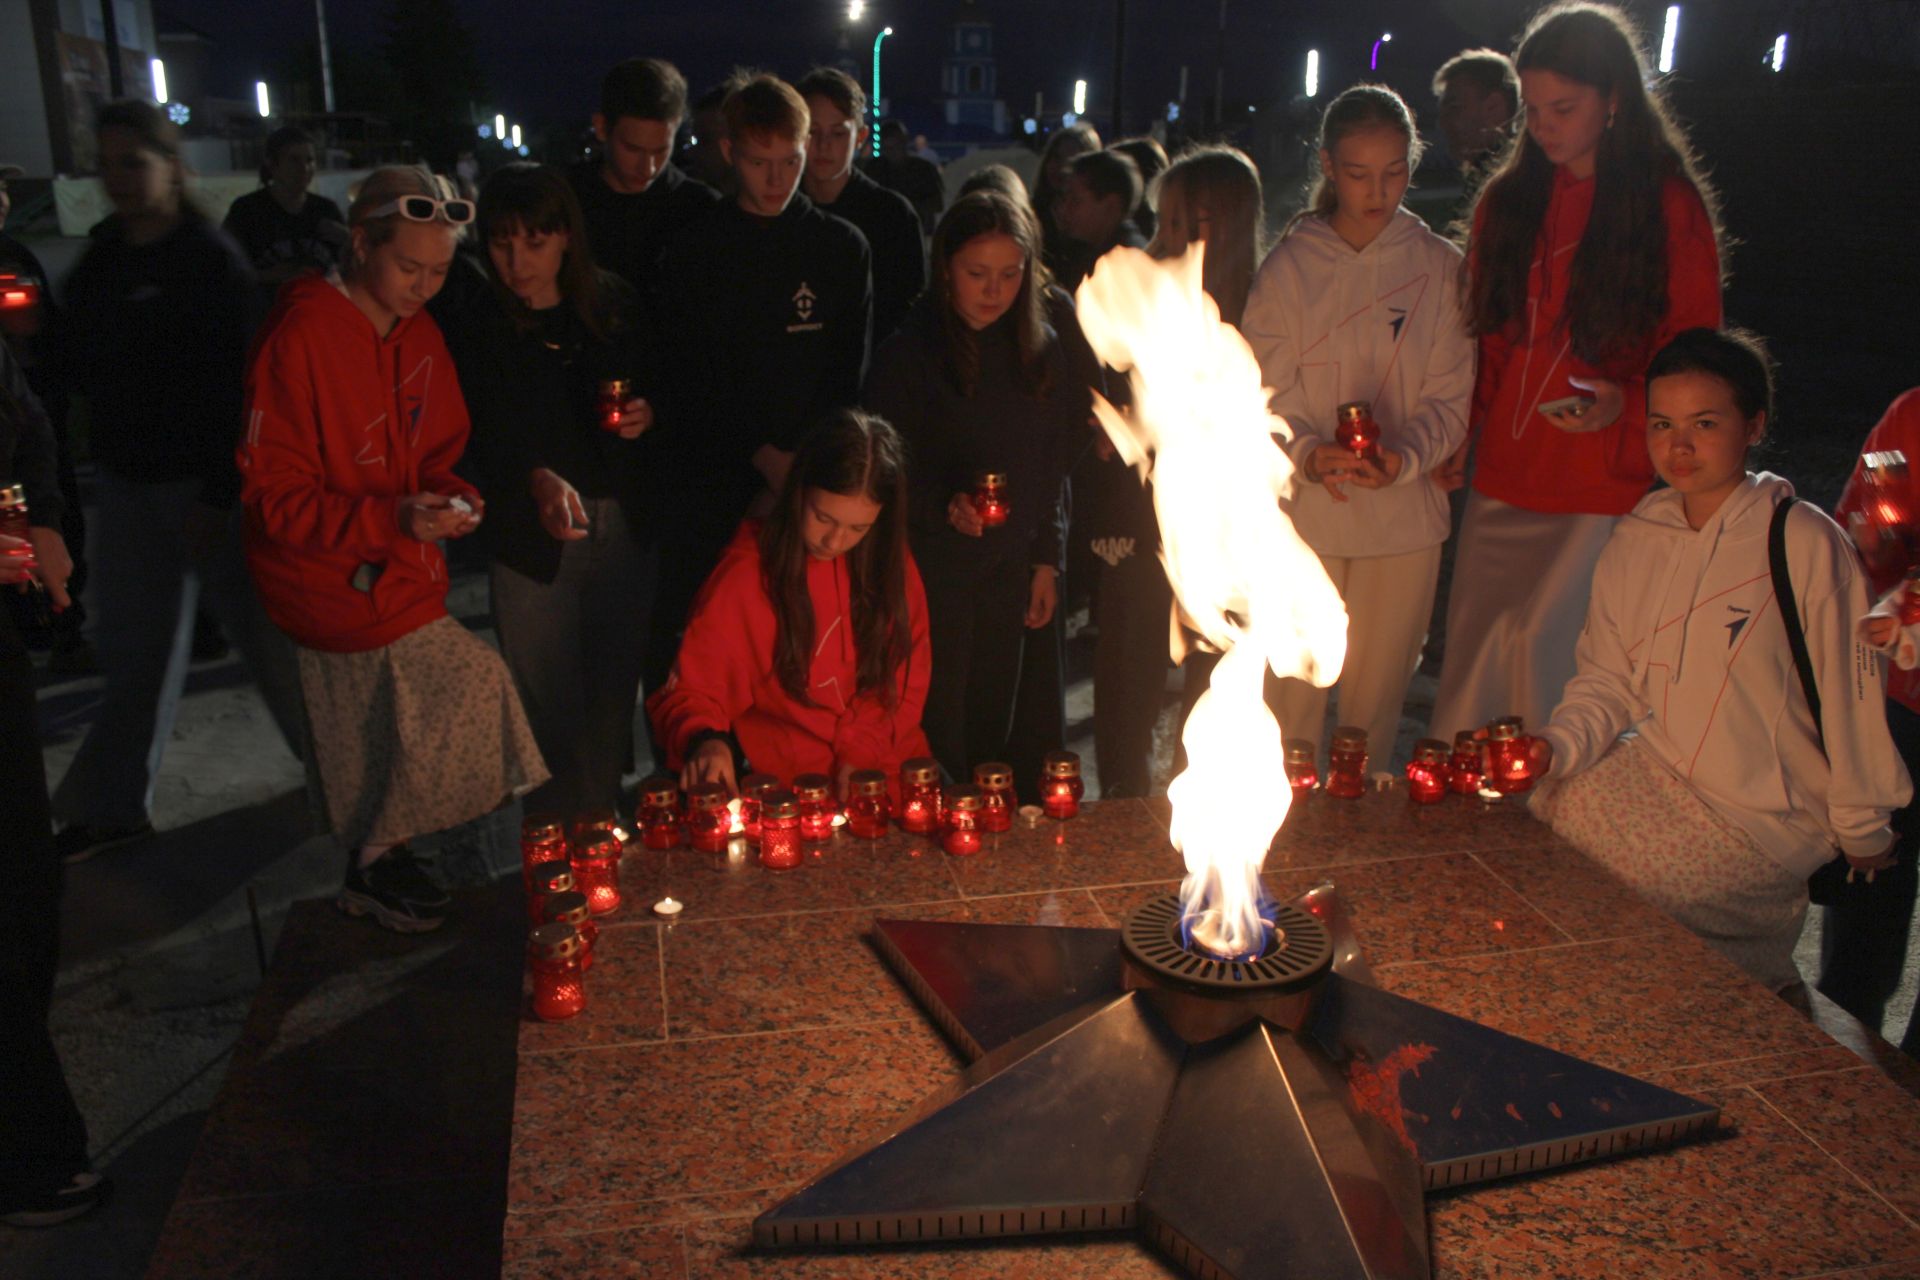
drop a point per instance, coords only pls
(1299, 950)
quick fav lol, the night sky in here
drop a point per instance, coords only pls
(546, 69)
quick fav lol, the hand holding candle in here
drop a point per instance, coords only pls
(990, 498)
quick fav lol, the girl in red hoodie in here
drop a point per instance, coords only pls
(1593, 244)
(354, 422)
(808, 644)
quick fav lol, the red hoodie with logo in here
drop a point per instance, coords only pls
(341, 424)
(724, 677)
(1521, 458)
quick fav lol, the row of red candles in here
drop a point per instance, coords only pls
(1498, 758)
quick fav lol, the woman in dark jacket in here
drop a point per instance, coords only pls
(979, 380)
(571, 514)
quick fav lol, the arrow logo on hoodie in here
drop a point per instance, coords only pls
(1735, 627)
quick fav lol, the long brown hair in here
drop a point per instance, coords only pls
(537, 200)
(851, 453)
(983, 213)
(1222, 181)
(1617, 287)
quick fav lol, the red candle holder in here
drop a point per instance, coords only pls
(995, 781)
(553, 966)
(543, 838)
(1060, 785)
(1466, 769)
(596, 870)
(919, 810)
(990, 498)
(15, 523)
(659, 814)
(709, 821)
(1509, 756)
(571, 909)
(1347, 763)
(1889, 492)
(1910, 598)
(867, 804)
(544, 879)
(611, 402)
(1427, 771)
(17, 294)
(818, 809)
(753, 788)
(1357, 432)
(597, 824)
(780, 837)
(960, 822)
(1301, 772)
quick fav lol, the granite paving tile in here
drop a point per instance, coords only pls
(1574, 892)
(1627, 1005)
(844, 872)
(640, 1215)
(638, 1122)
(1863, 1120)
(623, 993)
(1323, 831)
(1773, 1066)
(652, 1253)
(771, 973)
(1761, 1203)
(1113, 842)
(721, 1250)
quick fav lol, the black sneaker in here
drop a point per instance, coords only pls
(395, 892)
(85, 1191)
(78, 842)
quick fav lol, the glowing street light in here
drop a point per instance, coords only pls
(516, 137)
(1079, 97)
(499, 125)
(884, 33)
(1779, 58)
(159, 70)
(856, 10)
(260, 98)
(1669, 36)
(1373, 63)
(1313, 73)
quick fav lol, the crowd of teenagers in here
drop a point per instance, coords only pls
(721, 442)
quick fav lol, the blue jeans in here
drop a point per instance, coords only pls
(146, 583)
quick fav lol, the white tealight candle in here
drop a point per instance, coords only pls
(668, 906)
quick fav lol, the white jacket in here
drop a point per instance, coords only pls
(1384, 325)
(1684, 642)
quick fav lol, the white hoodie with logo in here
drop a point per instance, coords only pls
(1684, 642)
(1384, 325)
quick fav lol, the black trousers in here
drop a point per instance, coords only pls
(976, 627)
(1863, 945)
(43, 1140)
(1129, 672)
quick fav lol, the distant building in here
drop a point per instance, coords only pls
(55, 73)
(970, 80)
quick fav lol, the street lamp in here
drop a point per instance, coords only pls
(516, 137)
(856, 10)
(884, 33)
(1313, 73)
(260, 98)
(1373, 63)
(499, 125)
(159, 70)
(1079, 97)
(1669, 36)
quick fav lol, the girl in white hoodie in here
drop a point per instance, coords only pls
(1360, 301)
(1725, 795)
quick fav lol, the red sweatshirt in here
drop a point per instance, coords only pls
(724, 676)
(1524, 460)
(1899, 429)
(341, 424)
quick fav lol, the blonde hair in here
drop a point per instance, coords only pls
(384, 186)
(1363, 107)
(1222, 181)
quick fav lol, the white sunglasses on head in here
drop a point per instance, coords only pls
(456, 211)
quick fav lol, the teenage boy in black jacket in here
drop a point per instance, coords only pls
(836, 136)
(633, 200)
(1096, 210)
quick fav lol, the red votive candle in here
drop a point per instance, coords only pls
(1358, 432)
(867, 804)
(15, 523)
(779, 831)
(960, 822)
(995, 780)
(553, 966)
(709, 821)
(1427, 771)
(611, 402)
(571, 908)
(1060, 785)
(1910, 599)
(814, 791)
(596, 871)
(1347, 763)
(753, 788)
(596, 823)
(1301, 772)
(919, 810)
(544, 879)
(990, 498)
(17, 294)
(659, 815)
(1465, 772)
(1888, 507)
(1509, 756)
(543, 838)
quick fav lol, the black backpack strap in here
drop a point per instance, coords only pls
(1790, 614)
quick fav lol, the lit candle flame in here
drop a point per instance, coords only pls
(736, 824)
(1201, 430)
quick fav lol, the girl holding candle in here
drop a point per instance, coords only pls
(1594, 242)
(808, 644)
(1360, 302)
(572, 500)
(354, 423)
(1728, 794)
(980, 379)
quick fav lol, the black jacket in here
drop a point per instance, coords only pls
(26, 445)
(157, 337)
(886, 218)
(770, 333)
(629, 234)
(530, 393)
(952, 437)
